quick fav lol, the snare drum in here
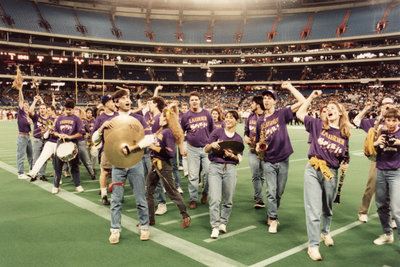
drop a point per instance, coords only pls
(67, 151)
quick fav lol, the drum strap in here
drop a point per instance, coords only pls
(111, 185)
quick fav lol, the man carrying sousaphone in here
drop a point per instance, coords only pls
(67, 129)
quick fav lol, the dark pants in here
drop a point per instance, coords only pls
(58, 165)
(153, 177)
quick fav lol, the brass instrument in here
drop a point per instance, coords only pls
(50, 124)
(262, 145)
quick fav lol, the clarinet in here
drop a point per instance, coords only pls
(337, 199)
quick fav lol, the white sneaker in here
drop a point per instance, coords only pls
(144, 234)
(273, 226)
(394, 225)
(384, 239)
(214, 233)
(363, 217)
(179, 190)
(60, 181)
(328, 240)
(114, 237)
(79, 189)
(161, 209)
(23, 176)
(180, 168)
(185, 174)
(313, 253)
(222, 228)
(55, 190)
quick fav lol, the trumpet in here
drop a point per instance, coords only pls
(50, 124)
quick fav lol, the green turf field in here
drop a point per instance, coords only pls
(69, 229)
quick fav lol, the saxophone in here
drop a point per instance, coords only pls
(262, 145)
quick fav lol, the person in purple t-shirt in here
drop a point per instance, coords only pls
(366, 125)
(387, 194)
(274, 147)
(67, 128)
(328, 151)
(163, 150)
(198, 124)
(93, 151)
(218, 118)
(222, 173)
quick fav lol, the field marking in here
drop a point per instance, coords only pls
(181, 246)
(194, 216)
(248, 228)
(135, 209)
(301, 247)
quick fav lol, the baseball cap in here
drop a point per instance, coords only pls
(271, 93)
(105, 99)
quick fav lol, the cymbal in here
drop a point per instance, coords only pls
(126, 131)
(235, 146)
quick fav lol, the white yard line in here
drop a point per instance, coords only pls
(229, 234)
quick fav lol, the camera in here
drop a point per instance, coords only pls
(389, 143)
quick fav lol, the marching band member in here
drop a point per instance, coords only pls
(93, 151)
(218, 118)
(273, 135)
(328, 151)
(184, 109)
(222, 173)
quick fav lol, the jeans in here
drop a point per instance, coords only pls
(160, 195)
(184, 160)
(319, 194)
(196, 157)
(175, 170)
(24, 147)
(137, 181)
(37, 149)
(84, 156)
(59, 165)
(222, 181)
(276, 175)
(387, 197)
(257, 175)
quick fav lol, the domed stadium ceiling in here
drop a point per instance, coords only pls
(210, 9)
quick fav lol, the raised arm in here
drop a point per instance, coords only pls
(361, 115)
(299, 97)
(32, 107)
(302, 111)
(17, 84)
(159, 87)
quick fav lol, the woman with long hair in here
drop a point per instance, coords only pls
(218, 118)
(167, 137)
(328, 151)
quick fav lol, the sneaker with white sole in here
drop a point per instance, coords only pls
(363, 217)
(394, 225)
(222, 228)
(328, 240)
(161, 209)
(384, 239)
(273, 226)
(114, 237)
(55, 190)
(214, 233)
(23, 176)
(144, 234)
(79, 189)
(180, 168)
(313, 253)
(179, 190)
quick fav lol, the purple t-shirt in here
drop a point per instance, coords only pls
(220, 135)
(89, 125)
(102, 118)
(326, 144)
(154, 123)
(146, 127)
(39, 125)
(68, 125)
(198, 127)
(367, 124)
(388, 158)
(219, 124)
(22, 121)
(276, 135)
(166, 140)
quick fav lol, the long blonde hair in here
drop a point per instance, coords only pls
(172, 116)
(344, 123)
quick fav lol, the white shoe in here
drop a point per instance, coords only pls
(114, 237)
(144, 234)
(23, 176)
(161, 209)
(55, 190)
(313, 253)
(179, 190)
(214, 233)
(185, 174)
(180, 168)
(328, 240)
(222, 228)
(60, 181)
(273, 226)
(394, 225)
(79, 189)
(363, 217)
(384, 239)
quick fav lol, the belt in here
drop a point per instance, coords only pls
(23, 133)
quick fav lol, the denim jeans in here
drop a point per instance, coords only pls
(137, 181)
(387, 197)
(319, 194)
(160, 195)
(276, 175)
(24, 147)
(255, 165)
(222, 181)
(37, 149)
(175, 170)
(59, 165)
(196, 157)
(84, 156)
